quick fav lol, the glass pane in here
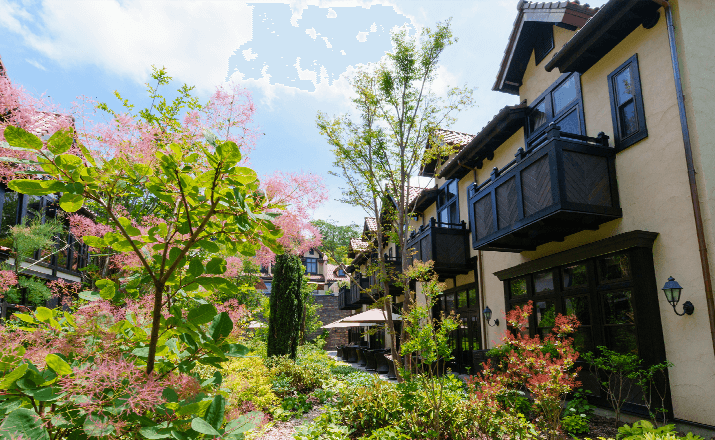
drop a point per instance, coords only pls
(449, 302)
(442, 198)
(582, 340)
(464, 335)
(624, 85)
(545, 317)
(617, 308)
(570, 124)
(444, 216)
(452, 189)
(474, 324)
(473, 301)
(622, 339)
(629, 120)
(453, 215)
(518, 287)
(462, 299)
(9, 215)
(613, 268)
(543, 282)
(574, 276)
(578, 306)
(34, 207)
(538, 117)
(565, 94)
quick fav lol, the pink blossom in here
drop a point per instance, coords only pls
(81, 226)
(8, 279)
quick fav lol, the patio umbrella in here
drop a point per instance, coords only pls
(372, 315)
(256, 324)
(341, 324)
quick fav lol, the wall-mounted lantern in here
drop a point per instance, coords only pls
(488, 317)
(672, 293)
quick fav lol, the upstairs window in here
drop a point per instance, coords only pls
(561, 103)
(341, 272)
(543, 42)
(448, 204)
(624, 88)
(311, 265)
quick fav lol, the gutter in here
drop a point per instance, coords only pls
(702, 244)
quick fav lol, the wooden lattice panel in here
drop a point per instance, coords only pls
(506, 203)
(586, 179)
(536, 186)
(426, 245)
(484, 218)
(450, 249)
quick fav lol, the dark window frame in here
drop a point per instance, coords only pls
(447, 204)
(311, 261)
(545, 34)
(620, 141)
(547, 97)
(470, 324)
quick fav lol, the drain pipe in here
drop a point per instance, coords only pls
(482, 297)
(691, 169)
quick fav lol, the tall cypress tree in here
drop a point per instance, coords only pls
(286, 307)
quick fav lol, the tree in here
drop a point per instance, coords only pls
(286, 307)
(379, 151)
(336, 238)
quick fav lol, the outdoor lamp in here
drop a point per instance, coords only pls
(672, 294)
(488, 317)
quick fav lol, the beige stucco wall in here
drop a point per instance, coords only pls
(536, 78)
(653, 189)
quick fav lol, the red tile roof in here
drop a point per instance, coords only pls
(371, 224)
(358, 245)
(331, 273)
(456, 138)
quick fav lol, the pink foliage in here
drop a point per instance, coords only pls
(8, 279)
(81, 226)
(301, 193)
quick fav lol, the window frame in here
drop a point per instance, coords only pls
(442, 206)
(311, 261)
(547, 97)
(620, 141)
(545, 32)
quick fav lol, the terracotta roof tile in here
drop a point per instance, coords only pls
(452, 137)
(331, 273)
(358, 245)
(371, 224)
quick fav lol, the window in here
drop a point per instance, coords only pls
(463, 301)
(341, 272)
(624, 88)
(543, 42)
(448, 204)
(311, 265)
(561, 104)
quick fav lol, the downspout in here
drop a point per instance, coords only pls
(702, 244)
(482, 297)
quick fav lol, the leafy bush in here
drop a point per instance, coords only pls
(579, 404)
(388, 433)
(300, 378)
(248, 380)
(575, 424)
(516, 401)
(323, 427)
(296, 404)
(371, 407)
(645, 429)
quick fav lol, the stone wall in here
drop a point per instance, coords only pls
(328, 313)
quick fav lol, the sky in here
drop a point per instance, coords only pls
(295, 57)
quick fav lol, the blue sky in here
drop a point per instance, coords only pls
(294, 56)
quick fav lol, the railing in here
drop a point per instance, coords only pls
(565, 182)
(446, 244)
(354, 297)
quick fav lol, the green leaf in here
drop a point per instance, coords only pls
(217, 266)
(196, 268)
(25, 317)
(202, 314)
(17, 137)
(170, 395)
(193, 408)
(229, 152)
(200, 425)
(90, 295)
(10, 378)
(108, 288)
(23, 423)
(43, 314)
(127, 225)
(155, 432)
(221, 326)
(87, 155)
(207, 245)
(97, 426)
(214, 414)
(68, 161)
(244, 423)
(71, 202)
(235, 350)
(58, 365)
(244, 175)
(93, 241)
(60, 142)
(36, 187)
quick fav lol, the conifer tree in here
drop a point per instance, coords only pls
(286, 307)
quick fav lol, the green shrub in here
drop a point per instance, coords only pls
(301, 378)
(579, 404)
(575, 424)
(645, 429)
(248, 380)
(323, 427)
(298, 405)
(516, 401)
(371, 407)
(388, 433)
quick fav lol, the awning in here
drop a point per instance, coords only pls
(256, 324)
(372, 315)
(341, 324)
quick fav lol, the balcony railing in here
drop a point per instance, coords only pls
(353, 298)
(446, 244)
(563, 184)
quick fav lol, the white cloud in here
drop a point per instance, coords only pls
(192, 40)
(373, 28)
(313, 34)
(343, 52)
(362, 36)
(249, 55)
(332, 13)
(36, 64)
(327, 43)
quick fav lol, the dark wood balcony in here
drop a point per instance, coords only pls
(563, 184)
(353, 298)
(446, 244)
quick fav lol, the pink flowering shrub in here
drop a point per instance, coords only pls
(8, 279)
(545, 368)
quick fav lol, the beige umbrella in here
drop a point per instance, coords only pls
(256, 324)
(341, 324)
(372, 315)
